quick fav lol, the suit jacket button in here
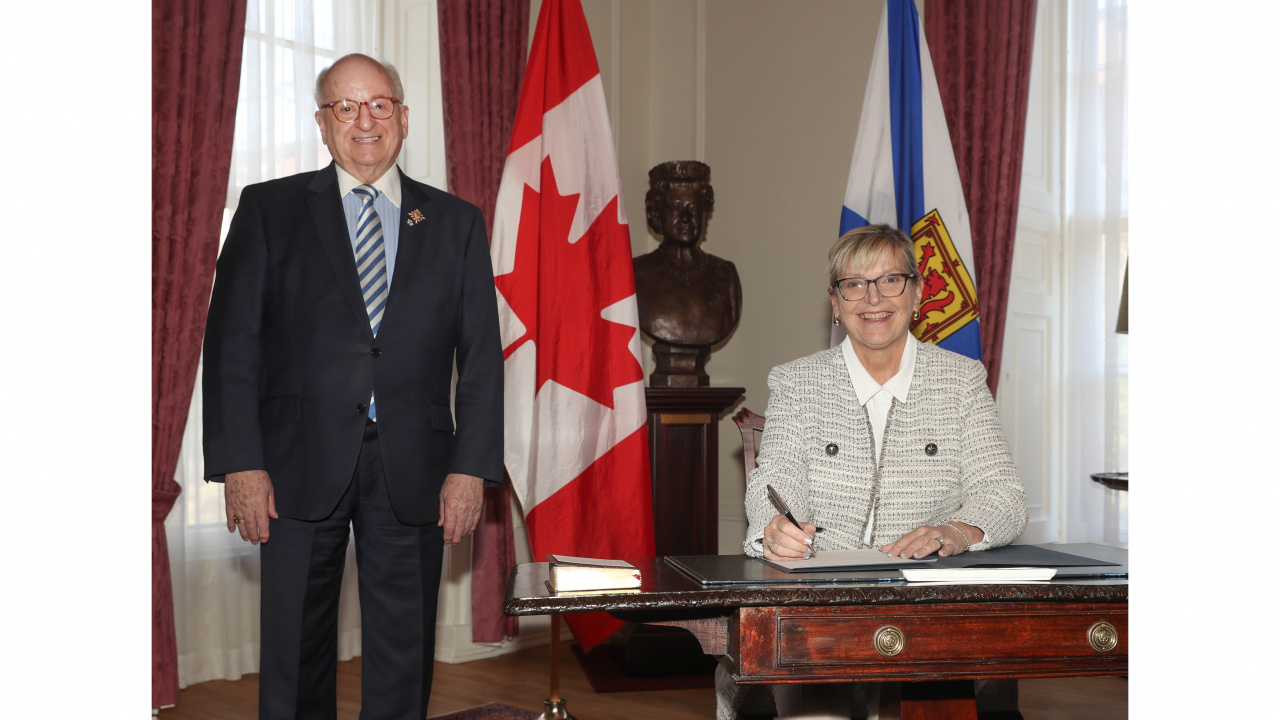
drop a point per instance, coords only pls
(930, 449)
(832, 449)
(376, 352)
(362, 408)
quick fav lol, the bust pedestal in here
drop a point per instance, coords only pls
(683, 460)
(680, 366)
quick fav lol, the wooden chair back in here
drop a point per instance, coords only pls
(748, 424)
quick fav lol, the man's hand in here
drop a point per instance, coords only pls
(460, 501)
(251, 498)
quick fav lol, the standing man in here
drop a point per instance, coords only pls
(342, 301)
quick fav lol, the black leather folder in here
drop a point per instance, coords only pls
(1075, 560)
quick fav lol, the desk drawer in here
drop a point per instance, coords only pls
(933, 641)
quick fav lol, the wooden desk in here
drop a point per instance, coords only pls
(822, 633)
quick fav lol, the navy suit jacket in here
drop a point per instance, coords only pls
(290, 360)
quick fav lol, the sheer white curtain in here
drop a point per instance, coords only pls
(286, 43)
(216, 575)
(1097, 367)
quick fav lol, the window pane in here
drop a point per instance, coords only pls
(253, 19)
(276, 132)
(286, 115)
(285, 19)
(323, 19)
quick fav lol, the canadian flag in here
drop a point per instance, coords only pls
(576, 440)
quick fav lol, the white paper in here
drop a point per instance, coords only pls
(850, 558)
(979, 574)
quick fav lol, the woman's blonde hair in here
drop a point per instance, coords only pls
(862, 247)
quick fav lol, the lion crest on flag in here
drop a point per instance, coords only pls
(949, 298)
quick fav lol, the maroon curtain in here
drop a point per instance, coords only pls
(482, 55)
(982, 56)
(195, 78)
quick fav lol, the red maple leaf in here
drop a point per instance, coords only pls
(558, 290)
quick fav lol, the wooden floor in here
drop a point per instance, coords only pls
(520, 680)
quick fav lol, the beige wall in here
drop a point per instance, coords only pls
(768, 94)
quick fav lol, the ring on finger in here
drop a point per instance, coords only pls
(238, 519)
(942, 542)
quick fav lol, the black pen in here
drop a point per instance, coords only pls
(781, 506)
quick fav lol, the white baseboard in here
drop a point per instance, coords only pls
(454, 646)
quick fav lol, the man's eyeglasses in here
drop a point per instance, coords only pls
(346, 111)
(888, 285)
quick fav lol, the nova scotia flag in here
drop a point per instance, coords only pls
(904, 174)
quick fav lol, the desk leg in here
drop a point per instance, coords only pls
(997, 699)
(951, 699)
(555, 708)
(555, 658)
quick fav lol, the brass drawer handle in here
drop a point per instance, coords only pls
(1103, 636)
(889, 641)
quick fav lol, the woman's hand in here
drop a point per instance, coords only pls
(784, 541)
(927, 540)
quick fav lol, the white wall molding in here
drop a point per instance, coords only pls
(453, 641)
(1032, 390)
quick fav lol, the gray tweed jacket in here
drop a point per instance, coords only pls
(969, 478)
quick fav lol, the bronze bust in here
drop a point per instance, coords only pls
(689, 299)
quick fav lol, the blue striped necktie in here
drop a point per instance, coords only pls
(371, 264)
(371, 257)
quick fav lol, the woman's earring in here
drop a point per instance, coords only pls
(835, 320)
(915, 317)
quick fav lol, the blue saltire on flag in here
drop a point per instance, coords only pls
(903, 170)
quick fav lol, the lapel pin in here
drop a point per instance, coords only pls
(415, 217)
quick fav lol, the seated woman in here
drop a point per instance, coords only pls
(883, 441)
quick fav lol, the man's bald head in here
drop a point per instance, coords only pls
(385, 68)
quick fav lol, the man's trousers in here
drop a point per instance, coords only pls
(399, 578)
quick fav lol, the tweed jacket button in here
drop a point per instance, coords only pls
(832, 449)
(931, 449)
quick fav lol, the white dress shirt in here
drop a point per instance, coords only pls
(877, 398)
(387, 205)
